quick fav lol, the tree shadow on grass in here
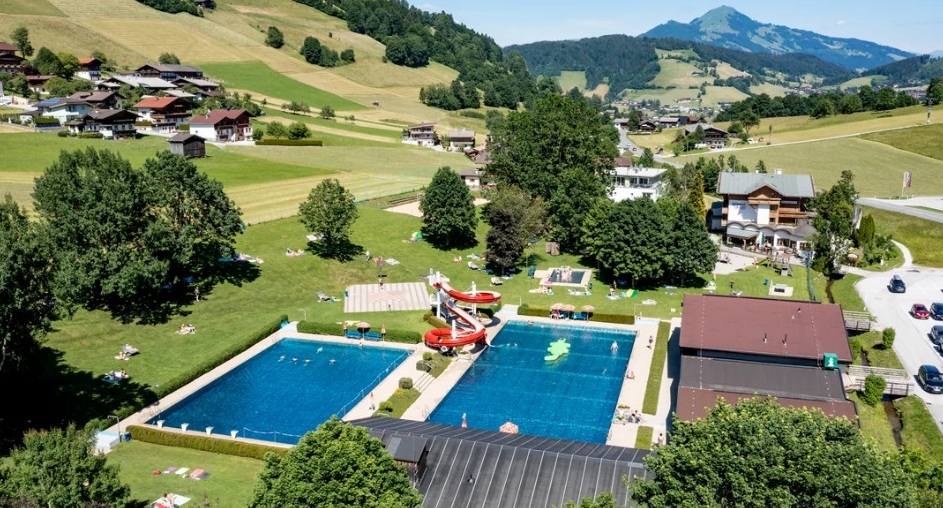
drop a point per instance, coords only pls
(342, 251)
(53, 394)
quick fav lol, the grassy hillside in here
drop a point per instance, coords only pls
(924, 140)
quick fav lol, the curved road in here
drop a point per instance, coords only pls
(906, 206)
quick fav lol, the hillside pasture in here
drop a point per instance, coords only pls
(878, 168)
(769, 89)
(59, 33)
(862, 81)
(259, 77)
(716, 94)
(677, 73)
(725, 70)
(666, 96)
(29, 8)
(569, 80)
(924, 140)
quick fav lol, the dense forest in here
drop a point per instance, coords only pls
(413, 37)
(919, 68)
(173, 6)
(817, 105)
(631, 62)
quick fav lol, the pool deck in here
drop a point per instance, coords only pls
(434, 390)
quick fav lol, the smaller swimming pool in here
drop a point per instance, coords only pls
(566, 276)
(286, 390)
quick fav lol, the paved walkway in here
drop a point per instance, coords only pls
(906, 207)
(388, 297)
(622, 433)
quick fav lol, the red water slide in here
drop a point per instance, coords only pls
(443, 337)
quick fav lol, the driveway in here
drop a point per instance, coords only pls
(912, 345)
(906, 206)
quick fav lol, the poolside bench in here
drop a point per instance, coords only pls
(373, 336)
(353, 334)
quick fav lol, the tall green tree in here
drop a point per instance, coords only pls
(46, 62)
(276, 129)
(834, 223)
(691, 249)
(339, 464)
(630, 238)
(515, 219)
(449, 216)
(168, 59)
(311, 50)
(70, 65)
(57, 468)
(696, 194)
(26, 287)
(298, 130)
(20, 38)
(935, 90)
(274, 37)
(758, 453)
(123, 236)
(330, 211)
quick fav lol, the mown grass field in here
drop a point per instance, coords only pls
(874, 425)
(339, 124)
(921, 236)
(769, 89)
(677, 73)
(569, 80)
(919, 431)
(862, 81)
(231, 481)
(878, 168)
(924, 140)
(29, 7)
(259, 77)
(717, 94)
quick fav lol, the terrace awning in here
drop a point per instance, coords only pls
(742, 233)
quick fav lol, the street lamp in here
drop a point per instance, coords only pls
(118, 420)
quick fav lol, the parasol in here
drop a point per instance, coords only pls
(588, 308)
(363, 325)
(509, 428)
(556, 306)
(569, 307)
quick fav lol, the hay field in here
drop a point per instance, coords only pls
(260, 78)
(804, 128)
(677, 73)
(655, 140)
(769, 89)
(725, 70)
(664, 95)
(29, 8)
(601, 90)
(717, 94)
(861, 81)
(878, 168)
(569, 80)
(923, 140)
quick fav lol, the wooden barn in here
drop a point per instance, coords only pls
(188, 145)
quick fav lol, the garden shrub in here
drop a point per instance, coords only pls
(855, 344)
(63, 134)
(873, 389)
(197, 440)
(290, 142)
(386, 406)
(887, 338)
(91, 135)
(427, 356)
(406, 383)
(424, 365)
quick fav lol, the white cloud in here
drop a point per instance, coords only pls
(841, 22)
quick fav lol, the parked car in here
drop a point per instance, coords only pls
(920, 311)
(930, 378)
(936, 334)
(897, 285)
(936, 310)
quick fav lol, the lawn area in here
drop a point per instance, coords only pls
(805, 128)
(653, 386)
(924, 139)
(400, 402)
(874, 425)
(874, 164)
(922, 237)
(260, 78)
(644, 438)
(873, 348)
(919, 431)
(843, 293)
(231, 481)
(391, 134)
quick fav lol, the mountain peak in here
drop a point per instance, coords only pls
(727, 27)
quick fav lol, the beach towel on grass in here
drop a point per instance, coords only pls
(198, 474)
(182, 471)
(170, 469)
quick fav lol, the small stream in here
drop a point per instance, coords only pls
(891, 413)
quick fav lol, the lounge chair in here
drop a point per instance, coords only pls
(472, 265)
(497, 281)
(323, 297)
(353, 334)
(373, 336)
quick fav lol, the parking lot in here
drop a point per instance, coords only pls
(912, 345)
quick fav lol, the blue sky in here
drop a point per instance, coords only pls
(911, 25)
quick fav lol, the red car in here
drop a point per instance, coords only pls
(920, 311)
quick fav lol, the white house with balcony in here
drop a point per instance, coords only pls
(632, 182)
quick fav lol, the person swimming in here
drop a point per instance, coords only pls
(320, 349)
(333, 361)
(615, 347)
(295, 359)
(282, 359)
(307, 361)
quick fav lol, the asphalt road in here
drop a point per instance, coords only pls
(894, 206)
(912, 345)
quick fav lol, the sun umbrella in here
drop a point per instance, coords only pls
(363, 325)
(588, 308)
(556, 306)
(509, 428)
(569, 307)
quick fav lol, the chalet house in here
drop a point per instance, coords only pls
(632, 182)
(165, 113)
(668, 122)
(479, 154)
(222, 125)
(201, 84)
(37, 83)
(767, 210)
(99, 100)
(621, 123)
(168, 72)
(472, 178)
(90, 69)
(152, 85)
(187, 145)
(462, 139)
(423, 134)
(713, 137)
(9, 60)
(738, 348)
(65, 109)
(647, 127)
(111, 123)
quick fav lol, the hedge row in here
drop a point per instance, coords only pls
(290, 142)
(392, 335)
(198, 441)
(233, 350)
(605, 317)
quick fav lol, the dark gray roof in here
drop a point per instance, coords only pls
(407, 448)
(511, 470)
(778, 380)
(183, 137)
(790, 186)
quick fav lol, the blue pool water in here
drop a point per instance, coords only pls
(571, 398)
(277, 399)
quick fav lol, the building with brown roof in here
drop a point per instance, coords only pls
(9, 60)
(738, 348)
(90, 69)
(222, 125)
(423, 134)
(187, 145)
(168, 72)
(111, 123)
(461, 139)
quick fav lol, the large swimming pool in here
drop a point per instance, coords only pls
(571, 398)
(286, 390)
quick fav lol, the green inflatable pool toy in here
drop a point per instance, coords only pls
(557, 349)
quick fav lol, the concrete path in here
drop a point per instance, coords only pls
(906, 207)
(388, 297)
(622, 433)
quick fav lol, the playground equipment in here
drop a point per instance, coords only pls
(557, 349)
(447, 297)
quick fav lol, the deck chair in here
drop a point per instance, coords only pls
(323, 297)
